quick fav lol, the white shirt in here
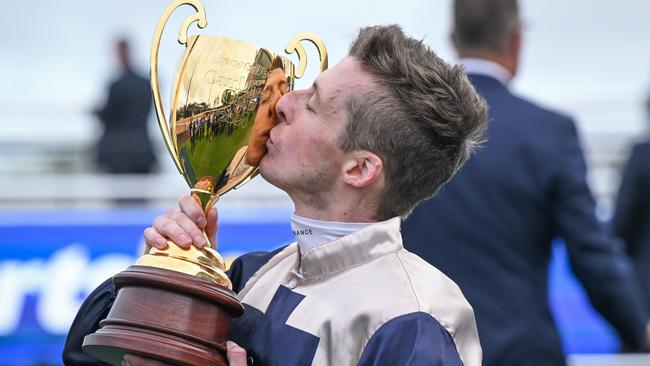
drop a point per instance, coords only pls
(480, 66)
(311, 233)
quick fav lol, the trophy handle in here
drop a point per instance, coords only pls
(295, 46)
(199, 17)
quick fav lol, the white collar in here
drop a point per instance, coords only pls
(374, 240)
(481, 66)
(311, 233)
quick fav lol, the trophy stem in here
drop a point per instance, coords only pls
(205, 263)
(207, 200)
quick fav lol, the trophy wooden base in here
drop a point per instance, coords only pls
(165, 315)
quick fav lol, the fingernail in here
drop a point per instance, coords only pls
(161, 242)
(199, 239)
(201, 221)
(184, 238)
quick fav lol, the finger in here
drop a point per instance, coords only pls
(193, 210)
(212, 226)
(236, 355)
(190, 227)
(153, 239)
(172, 211)
(170, 229)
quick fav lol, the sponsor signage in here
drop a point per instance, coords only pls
(51, 260)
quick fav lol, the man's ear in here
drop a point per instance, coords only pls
(362, 169)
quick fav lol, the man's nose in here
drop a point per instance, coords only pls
(283, 107)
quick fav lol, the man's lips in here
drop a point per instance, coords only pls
(269, 139)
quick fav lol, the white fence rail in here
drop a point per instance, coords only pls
(43, 174)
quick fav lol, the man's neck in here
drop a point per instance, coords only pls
(479, 66)
(337, 214)
(336, 205)
(501, 59)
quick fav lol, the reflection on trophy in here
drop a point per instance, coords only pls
(175, 305)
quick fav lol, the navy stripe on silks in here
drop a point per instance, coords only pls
(245, 266)
(268, 339)
(411, 339)
(242, 328)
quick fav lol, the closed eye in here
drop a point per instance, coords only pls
(266, 95)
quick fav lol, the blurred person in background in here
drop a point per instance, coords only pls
(491, 228)
(124, 146)
(632, 218)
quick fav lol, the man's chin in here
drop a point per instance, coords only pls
(263, 168)
(266, 171)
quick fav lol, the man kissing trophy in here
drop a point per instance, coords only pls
(176, 304)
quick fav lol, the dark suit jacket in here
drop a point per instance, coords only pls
(125, 146)
(490, 230)
(632, 219)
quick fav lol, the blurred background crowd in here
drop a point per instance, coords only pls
(83, 168)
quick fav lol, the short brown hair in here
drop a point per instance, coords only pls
(484, 24)
(423, 121)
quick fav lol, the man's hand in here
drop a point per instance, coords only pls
(235, 354)
(183, 226)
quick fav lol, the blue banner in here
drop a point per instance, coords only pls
(51, 260)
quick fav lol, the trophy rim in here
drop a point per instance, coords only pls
(214, 36)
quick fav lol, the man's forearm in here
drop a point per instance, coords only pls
(92, 311)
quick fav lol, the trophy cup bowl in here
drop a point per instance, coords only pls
(175, 304)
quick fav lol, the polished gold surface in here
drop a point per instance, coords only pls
(217, 91)
(204, 263)
(216, 97)
(199, 17)
(295, 46)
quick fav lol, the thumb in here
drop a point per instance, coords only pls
(236, 355)
(212, 226)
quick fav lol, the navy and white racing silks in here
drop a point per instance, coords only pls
(359, 300)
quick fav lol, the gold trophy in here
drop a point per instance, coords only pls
(175, 304)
